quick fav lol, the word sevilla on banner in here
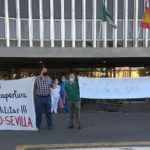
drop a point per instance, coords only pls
(17, 110)
(114, 88)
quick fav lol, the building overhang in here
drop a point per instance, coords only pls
(38, 52)
(74, 57)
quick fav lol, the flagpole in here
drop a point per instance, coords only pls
(139, 32)
(145, 3)
(137, 36)
(99, 34)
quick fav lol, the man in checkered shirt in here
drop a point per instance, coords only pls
(42, 97)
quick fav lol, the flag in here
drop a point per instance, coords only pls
(106, 17)
(145, 23)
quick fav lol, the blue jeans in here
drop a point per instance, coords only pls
(40, 103)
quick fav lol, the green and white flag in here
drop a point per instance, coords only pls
(106, 16)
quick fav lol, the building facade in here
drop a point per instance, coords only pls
(70, 33)
(71, 23)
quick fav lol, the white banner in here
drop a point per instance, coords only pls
(114, 88)
(16, 105)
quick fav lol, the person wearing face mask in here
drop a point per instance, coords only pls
(55, 96)
(42, 97)
(72, 93)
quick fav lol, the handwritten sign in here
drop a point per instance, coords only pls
(114, 88)
(16, 105)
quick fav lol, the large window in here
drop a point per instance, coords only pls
(57, 9)
(109, 31)
(89, 9)
(12, 8)
(35, 9)
(24, 8)
(67, 9)
(46, 9)
(57, 30)
(130, 30)
(46, 29)
(78, 30)
(78, 9)
(36, 29)
(2, 28)
(24, 29)
(67, 30)
(141, 8)
(99, 9)
(120, 9)
(110, 7)
(120, 30)
(89, 30)
(12, 28)
(130, 9)
(2, 8)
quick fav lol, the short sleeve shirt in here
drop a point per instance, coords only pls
(43, 86)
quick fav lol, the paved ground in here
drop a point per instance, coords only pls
(98, 127)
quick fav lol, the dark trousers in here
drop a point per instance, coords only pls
(74, 110)
(40, 103)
